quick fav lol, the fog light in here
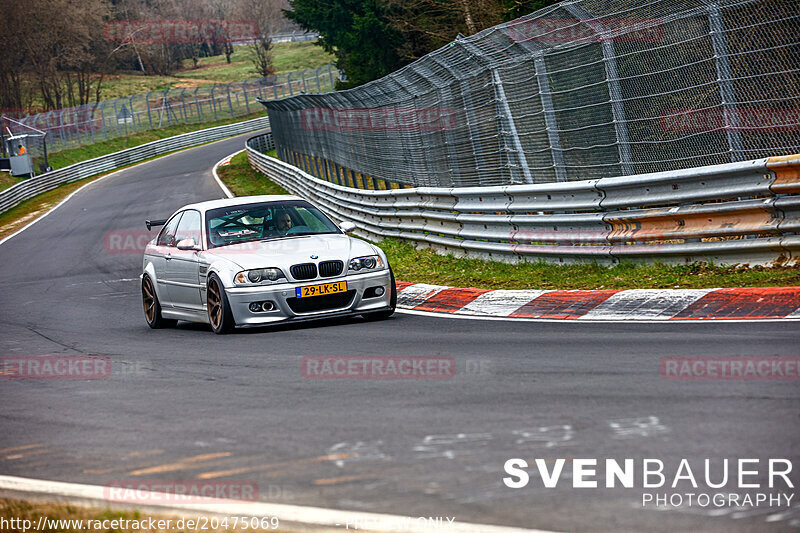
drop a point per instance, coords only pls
(268, 306)
(255, 307)
(379, 291)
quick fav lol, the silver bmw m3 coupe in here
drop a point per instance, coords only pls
(258, 260)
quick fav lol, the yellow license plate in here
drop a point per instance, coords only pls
(321, 290)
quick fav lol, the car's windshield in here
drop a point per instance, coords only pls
(266, 220)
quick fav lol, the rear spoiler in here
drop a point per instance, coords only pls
(152, 223)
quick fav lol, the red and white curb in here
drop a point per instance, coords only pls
(748, 303)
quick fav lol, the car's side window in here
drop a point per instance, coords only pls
(167, 235)
(189, 227)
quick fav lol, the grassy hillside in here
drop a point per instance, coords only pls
(287, 57)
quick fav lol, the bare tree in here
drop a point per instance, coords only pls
(268, 18)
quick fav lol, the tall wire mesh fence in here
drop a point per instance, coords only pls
(86, 124)
(579, 90)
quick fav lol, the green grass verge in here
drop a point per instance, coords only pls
(90, 151)
(242, 180)
(425, 266)
(7, 180)
(18, 216)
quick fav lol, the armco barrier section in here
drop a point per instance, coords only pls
(729, 214)
(50, 180)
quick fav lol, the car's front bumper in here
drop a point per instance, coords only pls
(282, 294)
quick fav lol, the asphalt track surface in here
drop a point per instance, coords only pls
(184, 404)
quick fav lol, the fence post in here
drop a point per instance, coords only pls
(246, 101)
(330, 74)
(136, 120)
(103, 118)
(614, 89)
(91, 122)
(507, 120)
(724, 77)
(230, 103)
(316, 75)
(65, 136)
(214, 100)
(183, 106)
(198, 106)
(546, 98)
(149, 114)
(289, 81)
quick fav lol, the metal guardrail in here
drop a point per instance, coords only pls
(733, 213)
(50, 180)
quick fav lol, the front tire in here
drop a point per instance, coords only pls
(382, 315)
(152, 307)
(220, 316)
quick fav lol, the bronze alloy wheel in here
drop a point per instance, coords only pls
(220, 316)
(214, 304)
(149, 300)
(152, 307)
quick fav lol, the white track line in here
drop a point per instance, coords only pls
(222, 185)
(293, 514)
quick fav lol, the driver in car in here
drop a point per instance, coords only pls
(283, 221)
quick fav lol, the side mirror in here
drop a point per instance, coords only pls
(347, 226)
(188, 244)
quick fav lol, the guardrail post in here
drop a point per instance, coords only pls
(546, 98)
(724, 77)
(614, 89)
(338, 175)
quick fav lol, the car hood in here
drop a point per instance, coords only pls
(289, 251)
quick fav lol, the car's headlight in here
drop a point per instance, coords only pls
(369, 262)
(259, 275)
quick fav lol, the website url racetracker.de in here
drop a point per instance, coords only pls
(200, 523)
